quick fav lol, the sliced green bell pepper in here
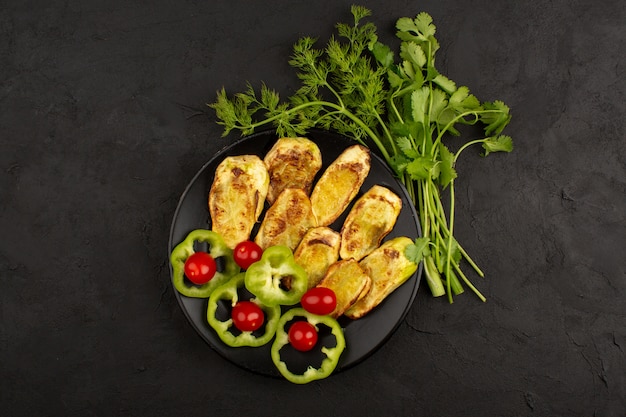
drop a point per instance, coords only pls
(276, 278)
(329, 363)
(229, 292)
(217, 249)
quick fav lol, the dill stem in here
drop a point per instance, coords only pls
(338, 109)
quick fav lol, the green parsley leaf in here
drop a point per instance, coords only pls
(420, 28)
(461, 100)
(419, 104)
(447, 172)
(445, 83)
(502, 143)
(439, 103)
(422, 168)
(411, 52)
(383, 54)
(407, 148)
(398, 163)
(408, 70)
(416, 251)
(496, 117)
(424, 23)
(395, 80)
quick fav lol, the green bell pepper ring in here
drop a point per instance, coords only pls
(329, 363)
(217, 249)
(228, 291)
(276, 278)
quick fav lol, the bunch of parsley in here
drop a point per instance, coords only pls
(403, 106)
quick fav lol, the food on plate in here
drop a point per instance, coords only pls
(287, 220)
(246, 253)
(247, 316)
(349, 282)
(292, 163)
(276, 279)
(370, 219)
(302, 336)
(318, 249)
(340, 183)
(237, 197)
(254, 283)
(319, 300)
(331, 353)
(388, 268)
(217, 249)
(200, 267)
(227, 297)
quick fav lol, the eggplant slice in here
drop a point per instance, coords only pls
(287, 220)
(292, 163)
(340, 183)
(371, 218)
(237, 197)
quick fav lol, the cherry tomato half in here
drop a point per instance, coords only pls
(302, 336)
(246, 253)
(200, 267)
(247, 316)
(319, 300)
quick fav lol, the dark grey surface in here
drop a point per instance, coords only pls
(98, 139)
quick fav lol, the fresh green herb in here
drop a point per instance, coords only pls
(404, 107)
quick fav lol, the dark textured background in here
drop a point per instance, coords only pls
(99, 137)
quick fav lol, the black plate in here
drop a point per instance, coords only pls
(363, 336)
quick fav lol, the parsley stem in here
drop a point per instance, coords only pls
(410, 187)
(450, 237)
(433, 278)
(392, 105)
(426, 212)
(469, 283)
(465, 146)
(457, 119)
(442, 222)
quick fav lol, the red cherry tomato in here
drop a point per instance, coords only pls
(246, 253)
(247, 316)
(302, 336)
(319, 300)
(200, 267)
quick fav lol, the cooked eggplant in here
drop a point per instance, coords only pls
(292, 163)
(340, 183)
(370, 219)
(317, 251)
(287, 220)
(388, 268)
(237, 197)
(349, 281)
